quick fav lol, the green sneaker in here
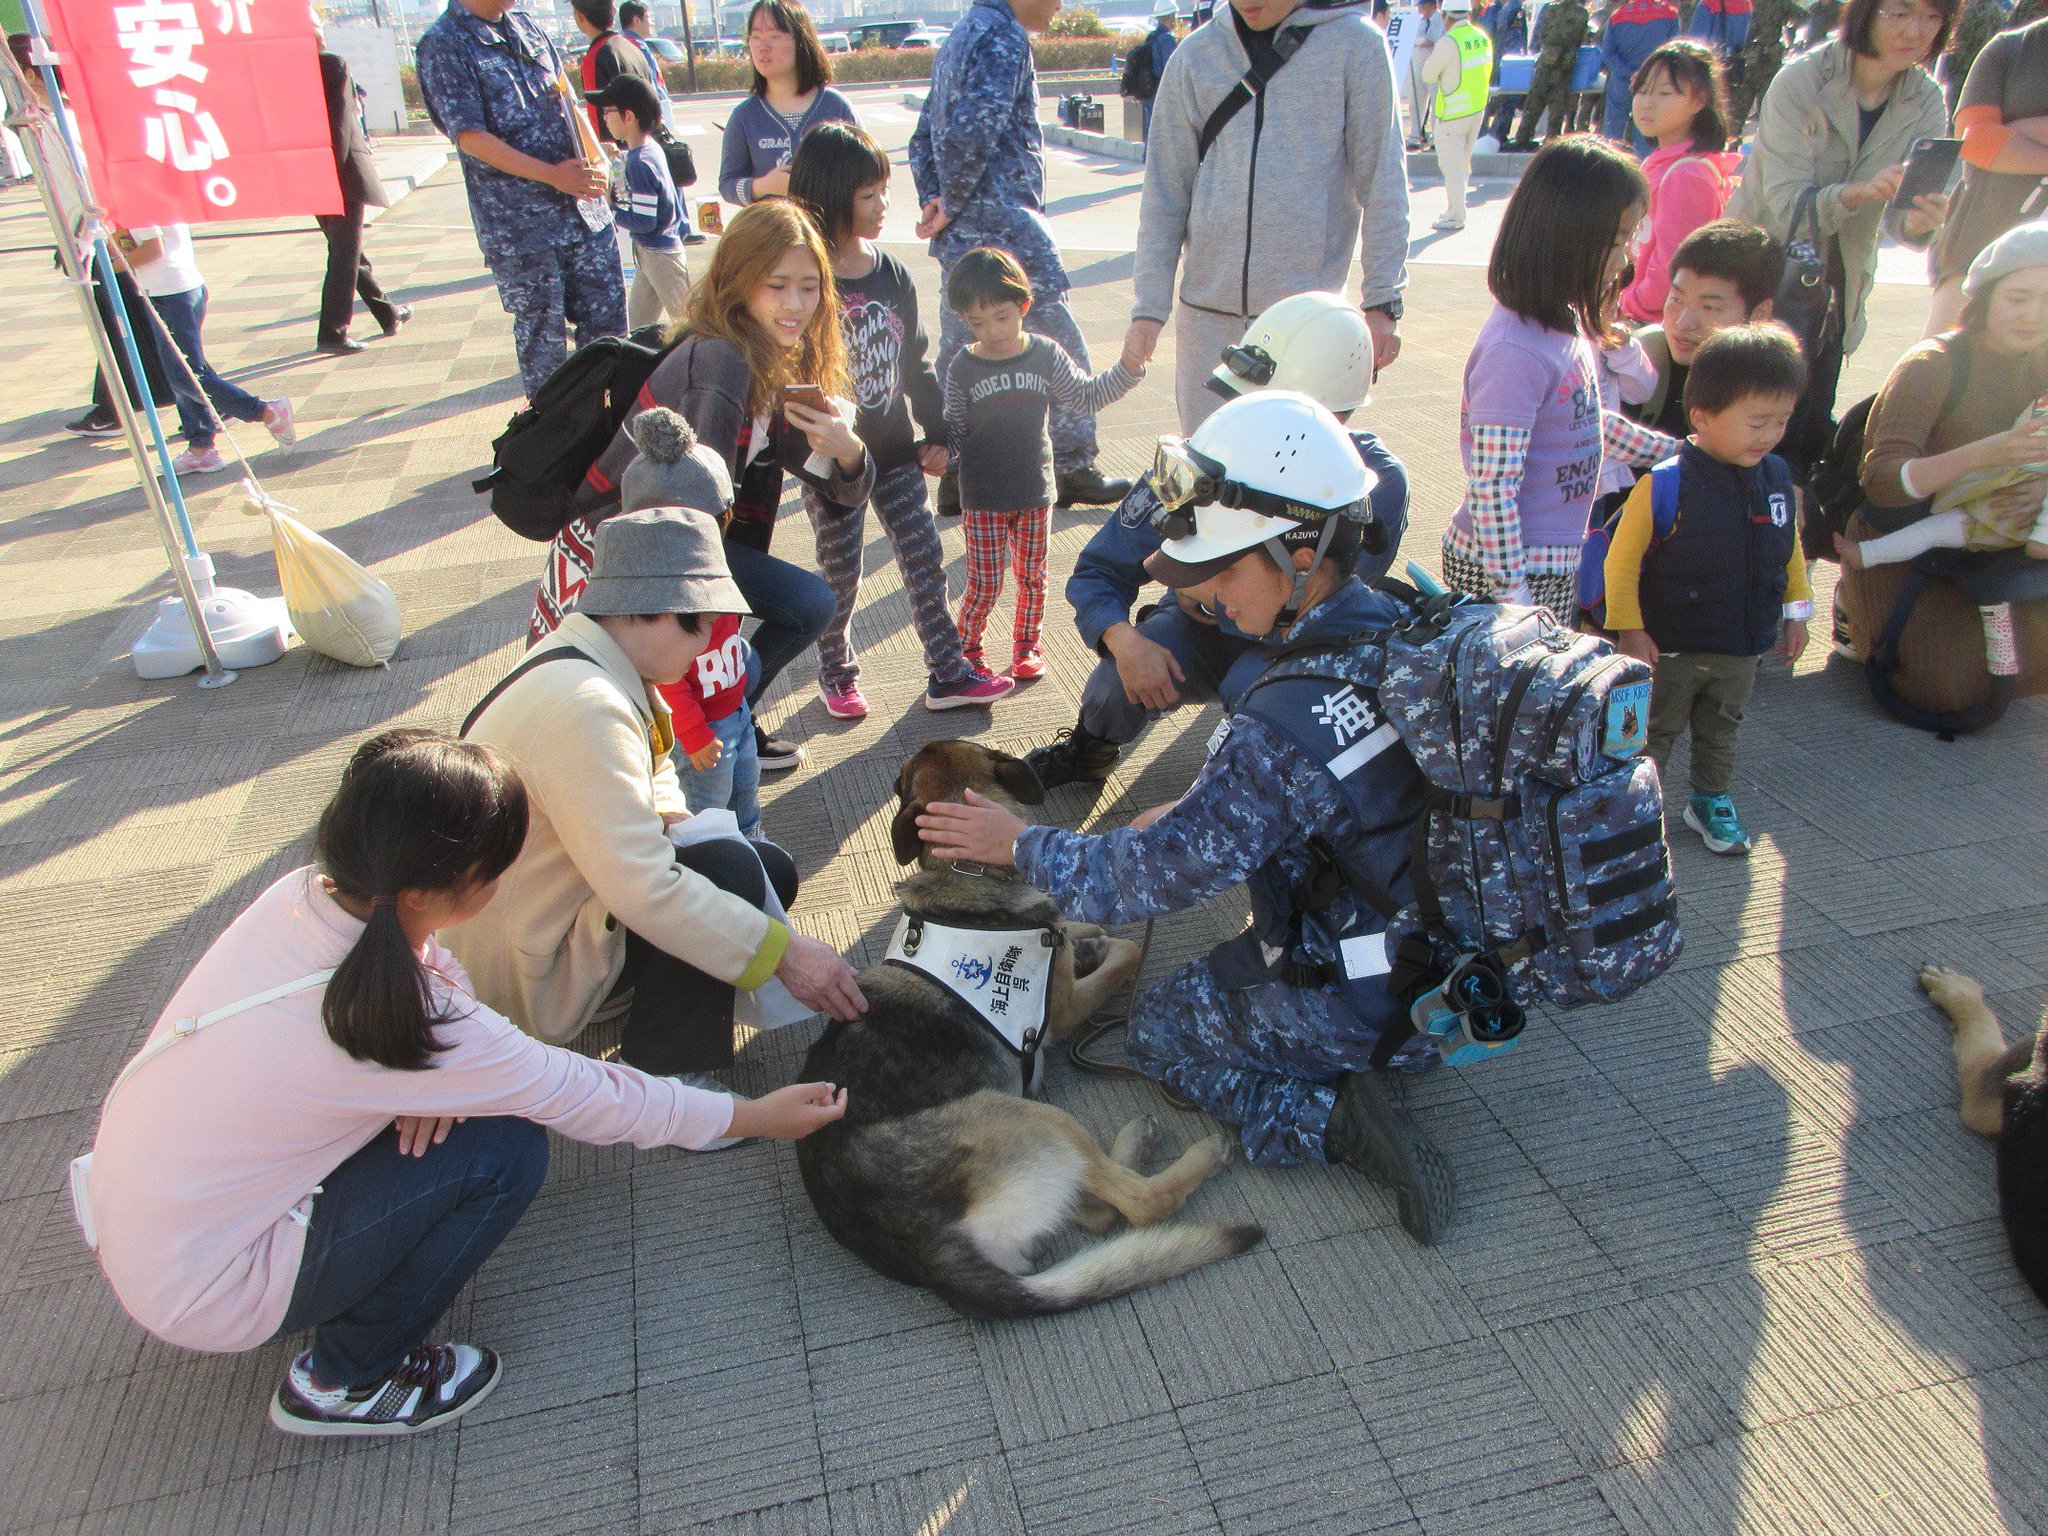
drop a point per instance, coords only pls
(1714, 818)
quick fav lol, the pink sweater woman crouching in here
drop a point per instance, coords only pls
(209, 1157)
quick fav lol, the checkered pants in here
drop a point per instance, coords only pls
(1021, 536)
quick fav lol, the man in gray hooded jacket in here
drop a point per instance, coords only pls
(1276, 204)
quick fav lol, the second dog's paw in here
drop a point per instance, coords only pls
(1137, 1143)
(1948, 988)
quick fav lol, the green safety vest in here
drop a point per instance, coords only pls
(1475, 55)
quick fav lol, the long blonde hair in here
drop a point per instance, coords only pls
(758, 237)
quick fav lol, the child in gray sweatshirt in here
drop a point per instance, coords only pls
(998, 392)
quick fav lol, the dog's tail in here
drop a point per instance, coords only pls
(1128, 1262)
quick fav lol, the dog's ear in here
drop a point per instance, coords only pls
(1019, 779)
(903, 836)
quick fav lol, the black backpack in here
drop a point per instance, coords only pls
(1139, 82)
(540, 459)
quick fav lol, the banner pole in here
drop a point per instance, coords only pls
(174, 524)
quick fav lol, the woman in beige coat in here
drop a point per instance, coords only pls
(599, 900)
(1839, 122)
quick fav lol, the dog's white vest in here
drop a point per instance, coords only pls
(1001, 973)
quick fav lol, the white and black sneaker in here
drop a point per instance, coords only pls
(437, 1383)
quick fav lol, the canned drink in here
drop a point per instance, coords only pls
(711, 217)
(2001, 650)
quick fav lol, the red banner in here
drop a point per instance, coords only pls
(198, 110)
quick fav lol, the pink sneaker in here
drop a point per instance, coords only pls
(844, 702)
(277, 416)
(1029, 664)
(979, 687)
(199, 461)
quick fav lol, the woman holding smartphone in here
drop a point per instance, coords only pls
(759, 372)
(1836, 128)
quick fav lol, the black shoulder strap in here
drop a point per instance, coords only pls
(1254, 83)
(560, 653)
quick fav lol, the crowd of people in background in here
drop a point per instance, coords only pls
(1647, 373)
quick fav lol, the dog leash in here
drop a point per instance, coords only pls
(1094, 1030)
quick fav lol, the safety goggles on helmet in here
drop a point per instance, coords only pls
(1183, 478)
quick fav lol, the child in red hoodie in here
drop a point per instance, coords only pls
(715, 756)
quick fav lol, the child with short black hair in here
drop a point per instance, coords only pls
(1703, 598)
(645, 202)
(999, 391)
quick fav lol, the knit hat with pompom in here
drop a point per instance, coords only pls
(673, 468)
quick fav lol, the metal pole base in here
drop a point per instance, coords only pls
(246, 630)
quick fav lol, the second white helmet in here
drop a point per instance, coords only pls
(1317, 343)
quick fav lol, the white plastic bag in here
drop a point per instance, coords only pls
(338, 608)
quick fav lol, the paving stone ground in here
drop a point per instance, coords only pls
(1725, 1263)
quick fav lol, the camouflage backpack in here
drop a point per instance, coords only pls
(1540, 851)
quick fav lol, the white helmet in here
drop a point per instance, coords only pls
(1272, 470)
(1317, 343)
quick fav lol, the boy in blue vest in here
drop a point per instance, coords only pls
(1701, 585)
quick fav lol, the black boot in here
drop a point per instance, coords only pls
(1073, 757)
(1369, 1130)
(1088, 487)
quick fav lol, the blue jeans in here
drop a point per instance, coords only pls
(184, 314)
(733, 783)
(393, 1238)
(1204, 651)
(794, 606)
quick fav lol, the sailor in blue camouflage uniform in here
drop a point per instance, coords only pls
(1273, 1031)
(488, 75)
(1179, 651)
(978, 159)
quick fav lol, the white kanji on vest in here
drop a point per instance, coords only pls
(1345, 713)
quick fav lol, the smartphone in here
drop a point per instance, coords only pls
(810, 396)
(1928, 169)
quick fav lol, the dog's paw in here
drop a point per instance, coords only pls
(1950, 989)
(1089, 953)
(1221, 1150)
(1137, 1143)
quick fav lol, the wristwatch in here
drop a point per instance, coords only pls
(1391, 309)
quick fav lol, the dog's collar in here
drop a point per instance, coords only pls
(1001, 973)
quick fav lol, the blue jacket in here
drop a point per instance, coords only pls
(647, 208)
(498, 79)
(1715, 584)
(978, 149)
(1627, 42)
(1256, 813)
(1111, 571)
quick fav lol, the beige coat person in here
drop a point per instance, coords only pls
(1807, 137)
(551, 945)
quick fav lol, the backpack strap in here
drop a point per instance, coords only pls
(559, 653)
(1285, 43)
(185, 1029)
(1664, 485)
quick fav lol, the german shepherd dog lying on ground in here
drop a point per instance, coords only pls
(2005, 1097)
(942, 1174)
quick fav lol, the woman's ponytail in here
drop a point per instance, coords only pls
(415, 811)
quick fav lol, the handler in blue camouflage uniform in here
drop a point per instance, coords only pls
(488, 74)
(1273, 1031)
(978, 159)
(1178, 651)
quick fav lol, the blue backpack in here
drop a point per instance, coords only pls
(1600, 539)
(1540, 852)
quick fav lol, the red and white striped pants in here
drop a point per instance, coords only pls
(994, 539)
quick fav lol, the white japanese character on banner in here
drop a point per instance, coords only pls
(231, 16)
(159, 36)
(183, 137)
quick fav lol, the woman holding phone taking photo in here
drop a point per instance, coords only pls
(1836, 128)
(763, 318)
